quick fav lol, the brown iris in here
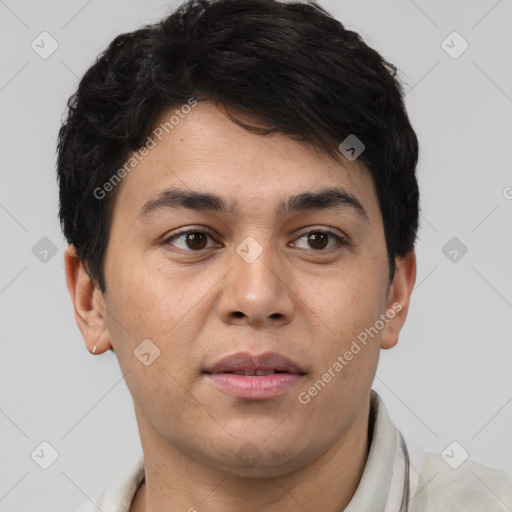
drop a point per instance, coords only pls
(196, 240)
(318, 240)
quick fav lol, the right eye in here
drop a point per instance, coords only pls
(192, 240)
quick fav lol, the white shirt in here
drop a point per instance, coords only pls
(389, 482)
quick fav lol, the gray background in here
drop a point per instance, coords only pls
(450, 376)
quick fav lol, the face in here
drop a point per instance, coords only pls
(249, 295)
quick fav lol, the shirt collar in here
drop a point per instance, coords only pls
(372, 493)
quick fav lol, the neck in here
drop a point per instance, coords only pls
(175, 483)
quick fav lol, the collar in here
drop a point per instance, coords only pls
(389, 480)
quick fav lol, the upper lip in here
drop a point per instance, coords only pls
(246, 362)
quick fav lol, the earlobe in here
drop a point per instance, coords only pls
(399, 299)
(88, 304)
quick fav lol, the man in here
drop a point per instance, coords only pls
(237, 186)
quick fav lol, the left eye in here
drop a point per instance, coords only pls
(319, 240)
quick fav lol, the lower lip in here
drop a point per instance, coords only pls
(260, 387)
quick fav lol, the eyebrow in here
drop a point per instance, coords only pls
(199, 201)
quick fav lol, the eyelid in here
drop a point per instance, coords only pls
(316, 229)
(191, 229)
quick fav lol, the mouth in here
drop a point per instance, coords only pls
(258, 372)
(255, 377)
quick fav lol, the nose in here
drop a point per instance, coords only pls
(256, 290)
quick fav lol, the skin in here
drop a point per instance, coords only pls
(305, 303)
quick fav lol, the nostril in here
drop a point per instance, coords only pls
(238, 314)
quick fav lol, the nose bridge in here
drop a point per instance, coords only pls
(255, 289)
(255, 265)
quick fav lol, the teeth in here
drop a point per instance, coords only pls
(249, 373)
(265, 372)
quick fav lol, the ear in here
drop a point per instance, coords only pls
(398, 299)
(88, 304)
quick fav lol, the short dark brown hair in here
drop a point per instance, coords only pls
(291, 66)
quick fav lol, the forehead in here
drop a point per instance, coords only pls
(206, 152)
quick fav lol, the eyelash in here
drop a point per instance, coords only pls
(341, 241)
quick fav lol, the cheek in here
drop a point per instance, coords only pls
(151, 302)
(350, 303)
(141, 307)
(345, 310)
(149, 297)
(148, 307)
(347, 354)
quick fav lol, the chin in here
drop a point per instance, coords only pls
(266, 466)
(260, 458)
